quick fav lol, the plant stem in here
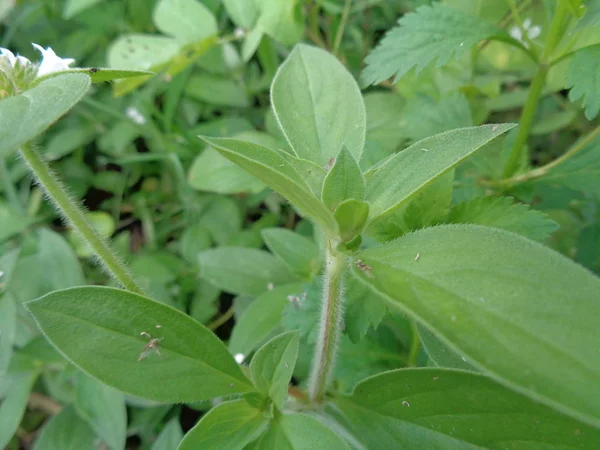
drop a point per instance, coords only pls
(537, 84)
(76, 218)
(341, 27)
(331, 321)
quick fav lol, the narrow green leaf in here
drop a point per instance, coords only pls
(260, 319)
(66, 431)
(14, 404)
(318, 105)
(24, 116)
(242, 271)
(103, 408)
(430, 33)
(229, 426)
(397, 179)
(186, 20)
(298, 253)
(100, 74)
(276, 172)
(431, 408)
(343, 182)
(170, 436)
(273, 364)
(98, 329)
(583, 79)
(504, 213)
(8, 327)
(299, 432)
(501, 301)
(351, 216)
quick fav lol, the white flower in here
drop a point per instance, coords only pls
(51, 62)
(532, 32)
(134, 114)
(12, 59)
(239, 358)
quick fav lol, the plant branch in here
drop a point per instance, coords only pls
(76, 218)
(331, 321)
(341, 27)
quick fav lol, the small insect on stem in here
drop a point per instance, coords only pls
(364, 267)
(151, 346)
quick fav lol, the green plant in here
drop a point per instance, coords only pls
(507, 323)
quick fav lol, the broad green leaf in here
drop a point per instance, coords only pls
(588, 247)
(504, 213)
(441, 355)
(261, 319)
(103, 408)
(351, 216)
(584, 81)
(216, 90)
(299, 432)
(364, 309)
(384, 120)
(66, 431)
(429, 206)
(228, 426)
(298, 253)
(107, 324)
(450, 409)
(222, 217)
(242, 12)
(344, 181)
(170, 436)
(243, 271)
(24, 116)
(185, 20)
(8, 329)
(397, 179)
(194, 239)
(502, 302)
(281, 19)
(8, 262)
(273, 364)
(11, 222)
(580, 172)
(14, 403)
(74, 7)
(276, 172)
(318, 105)
(430, 33)
(591, 17)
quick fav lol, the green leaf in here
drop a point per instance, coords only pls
(11, 222)
(242, 271)
(351, 216)
(281, 19)
(103, 408)
(429, 33)
(24, 116)
(397, 179)
(318, 105)
(8, 325)
(364, 309)
(260, 319)
(170, 436)
(298, 253)
(591, 17)
(276, 172)
(99, 74)
(273, 364)
(504, 213)
(74, 7)
(228, 426)
(431, 408)
(185, 20)
(344, 181)
(242, 12)
(584, 81)
(66, 431)
(299, 432)
(216, 90)
(501, 301)
(107, 324)
(441, 355)
(14, 404)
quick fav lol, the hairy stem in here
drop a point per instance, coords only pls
(535, 91)
(331, 322)
(76, 218)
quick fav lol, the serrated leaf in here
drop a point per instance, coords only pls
(26, 115)
(500, 301)
(272, 366)
(66, 431)
(431, 408)
(261, 319)
(298, 253)
(393, 182)
(504, 213)
(107, 324)
(299, 432)
(278, 173)
(242, 271)
(429, 33)
(583, 78)
(318, 105)
(344, 181)
(228, 426)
